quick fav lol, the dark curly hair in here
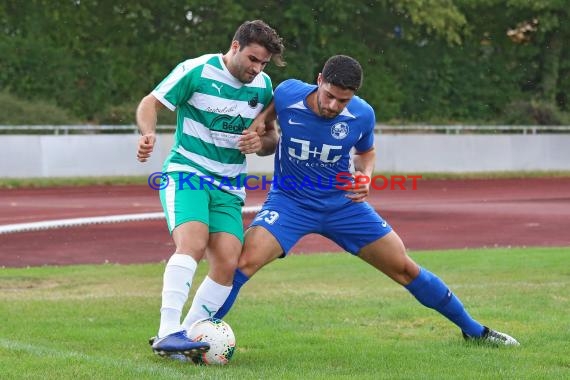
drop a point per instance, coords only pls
(343, 71)
(259, 32)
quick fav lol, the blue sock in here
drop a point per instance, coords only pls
(432, 292)
(239, 279)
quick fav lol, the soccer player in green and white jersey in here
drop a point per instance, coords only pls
(216, 96)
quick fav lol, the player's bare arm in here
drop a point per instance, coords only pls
(147, 116)
(269, 140)
(364, 167)
(261, 137)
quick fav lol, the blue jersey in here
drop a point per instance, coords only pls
(314, 150)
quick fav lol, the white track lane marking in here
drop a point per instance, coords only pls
(75, 222)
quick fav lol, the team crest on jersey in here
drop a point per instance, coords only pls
(339, 130)
(253, 101)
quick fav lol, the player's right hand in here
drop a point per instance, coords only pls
(360, 188)
(257, 125)
(145, 147)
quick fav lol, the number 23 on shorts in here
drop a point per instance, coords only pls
(267, 216)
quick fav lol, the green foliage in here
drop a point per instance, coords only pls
(117, 115)
(14, 111)
(534, 113)
(437, 17)
(125, 114)
(424, 60)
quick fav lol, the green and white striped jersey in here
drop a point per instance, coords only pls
(213, 109)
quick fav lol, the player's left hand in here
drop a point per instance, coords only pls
(249, 142)
(361, 188)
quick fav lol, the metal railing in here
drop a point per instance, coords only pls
(473, 129)
(77, 129)
(380, 128)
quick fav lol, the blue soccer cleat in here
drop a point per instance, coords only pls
(176, 344)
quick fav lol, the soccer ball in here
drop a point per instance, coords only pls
(220, 336)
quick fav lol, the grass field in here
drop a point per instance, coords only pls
(310, 317)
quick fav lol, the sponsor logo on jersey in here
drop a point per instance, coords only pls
(304, 150)
(228, 124)
(221, 110)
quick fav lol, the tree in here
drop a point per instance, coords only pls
(424, 60)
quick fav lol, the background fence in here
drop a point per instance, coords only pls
(64, 151)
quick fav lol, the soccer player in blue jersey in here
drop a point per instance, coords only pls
(320, 125)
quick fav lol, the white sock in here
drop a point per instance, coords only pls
(209, 297)
(176, 284)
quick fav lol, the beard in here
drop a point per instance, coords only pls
(326, 112)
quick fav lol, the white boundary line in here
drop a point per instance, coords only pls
(75, 222)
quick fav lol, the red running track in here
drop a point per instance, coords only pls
(440, 214)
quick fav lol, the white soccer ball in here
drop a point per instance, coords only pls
(220, 336)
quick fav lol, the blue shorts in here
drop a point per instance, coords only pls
(352, 225)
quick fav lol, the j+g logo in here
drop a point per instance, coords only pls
(304, 151)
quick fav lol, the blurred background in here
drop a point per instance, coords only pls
(484, 62)
(457, 85)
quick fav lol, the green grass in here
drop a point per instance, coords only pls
(322, 316)
(18, 183)
(14, 183)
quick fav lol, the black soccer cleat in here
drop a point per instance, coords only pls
(493, 337)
